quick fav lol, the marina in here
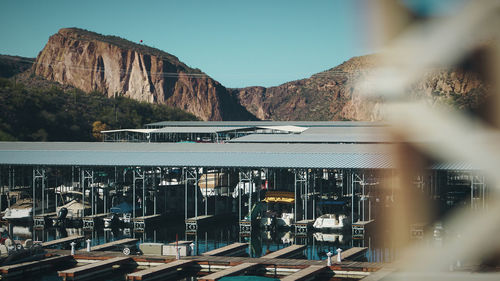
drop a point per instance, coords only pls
(273, 201)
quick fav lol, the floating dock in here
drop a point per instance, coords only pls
(290, 251)
(39, 221)
(229, 250)
(302, 226)
(307, 273)
(113, 244)
(192, 224)
(359, 228)
(351, 253)
(234, 270)
(61, 241)
(21, 269)
(159, 271)
(140, 223)
(92, 269)
(90, 221)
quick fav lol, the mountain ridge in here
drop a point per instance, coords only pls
(112, 65)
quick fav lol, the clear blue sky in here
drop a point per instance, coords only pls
(238, 43)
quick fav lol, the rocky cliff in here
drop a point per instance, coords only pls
(114, 66)
(333, 94)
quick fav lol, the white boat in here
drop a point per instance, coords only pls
(330, 221)
(328, 237)
(286, 220)
(214, 184)
(75, 209)
(22, 210)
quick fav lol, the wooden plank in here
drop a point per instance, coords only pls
(92, 269)
(285, 252)
(380, 274)
(305, 273)
(159, 271)
(200, 218)
(351, 253)
(235, 270)
(96, 216)
(62, 241)
(32, 266)
(362, 223)
(227, 250)
(147, 217)
(107, 246)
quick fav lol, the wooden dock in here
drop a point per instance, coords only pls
(290, 251)
(234, 270)
(305, 274)
(113, 244)
(159, 271)
(40, 220)
(61, 241)
(21, 269)
(351, 253)
(359, 228)
(90, 221)
(92, 269)
(229, 250)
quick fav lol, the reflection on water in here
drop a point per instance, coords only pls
(260, 242)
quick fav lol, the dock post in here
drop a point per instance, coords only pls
(88, 245)
(329, 260)
(72, 244)
(339, 256)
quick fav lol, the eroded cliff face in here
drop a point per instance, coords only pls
(334, 94)
(114, 66)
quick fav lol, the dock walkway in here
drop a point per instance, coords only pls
(92, 269)
(290, 251)
(111, 245)
(21, 269)
(159, 271)
(306, 273)
(235, 270)
(351, 253)
(229, 250)
(65, 240)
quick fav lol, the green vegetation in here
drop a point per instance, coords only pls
(12, 65)
(53, 114)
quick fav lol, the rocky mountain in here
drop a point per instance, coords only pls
(333, 94)
(115, 66)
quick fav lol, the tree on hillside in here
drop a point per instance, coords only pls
(97, 127)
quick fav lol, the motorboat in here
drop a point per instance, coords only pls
(328, 237)
(74, 209)
(21, 211)
(280, 201)
(285, 220)
(119, 215)
(330, 221)
(214, 184)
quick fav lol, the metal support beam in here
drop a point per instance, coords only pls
(87, 176)
(190, 174)
(300, 180)
(138, 174)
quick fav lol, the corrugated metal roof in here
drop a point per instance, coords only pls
(192, 155)
(143, 131)
(265, 123)
(288, 128)
(313, 138)
(342, 156)
(207, 130)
